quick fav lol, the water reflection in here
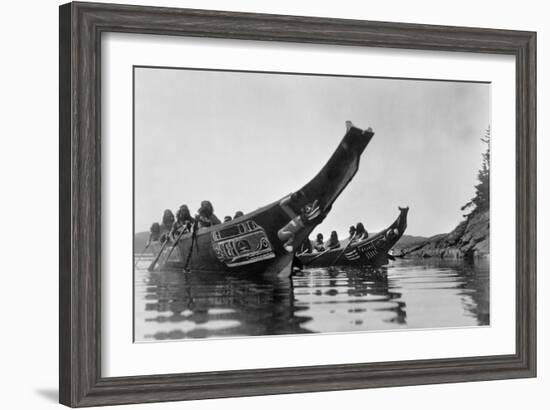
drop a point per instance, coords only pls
(341, 300)
(406, 294)
(211, 305)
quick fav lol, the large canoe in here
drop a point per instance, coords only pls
(250, 244)
(372, 251)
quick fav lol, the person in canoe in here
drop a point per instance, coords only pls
(360, 233)
(184, 222)
(154, 234)
(166, 225)
(308, 213)
(206, 216)
(333, 242)
(350, 238)
(319, 245)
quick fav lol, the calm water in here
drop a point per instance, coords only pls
(406, 294)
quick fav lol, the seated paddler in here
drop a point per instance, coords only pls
(154, 234)
(206, 216)
(166, 225)
(360, 233)
(184, 222)
(351, 236)
(333, 242)
(319, 244)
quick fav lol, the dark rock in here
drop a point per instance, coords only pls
(470, 239)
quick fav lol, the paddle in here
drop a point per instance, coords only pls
(195, 229)
(141, 254)
(175, 243)
(343, 250)
(151, 267)
(317, 256)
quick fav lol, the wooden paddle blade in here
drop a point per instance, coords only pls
(151, 267)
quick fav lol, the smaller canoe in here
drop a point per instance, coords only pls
(372, 251)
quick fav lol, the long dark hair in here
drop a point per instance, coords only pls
(206, 209)
(333, 241)
(183, 213)
(360, 229)
(168, 218)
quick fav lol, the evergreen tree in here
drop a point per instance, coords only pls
(480, 202)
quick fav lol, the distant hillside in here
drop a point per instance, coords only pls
(469, 239)
(408, 241)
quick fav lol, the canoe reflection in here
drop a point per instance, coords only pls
(214, 305)
(349, 299)
(180, 306)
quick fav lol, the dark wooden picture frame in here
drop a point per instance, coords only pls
(81, 27)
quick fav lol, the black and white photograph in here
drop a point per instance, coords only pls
(271, 203)
(279, 204)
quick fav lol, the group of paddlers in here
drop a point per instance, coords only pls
(172, 227)
(357, 233)
(312, 214)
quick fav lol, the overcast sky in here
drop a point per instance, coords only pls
(243, 140)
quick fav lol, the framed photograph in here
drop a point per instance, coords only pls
(259, 204)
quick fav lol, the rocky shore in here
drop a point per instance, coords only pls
(470, 239)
